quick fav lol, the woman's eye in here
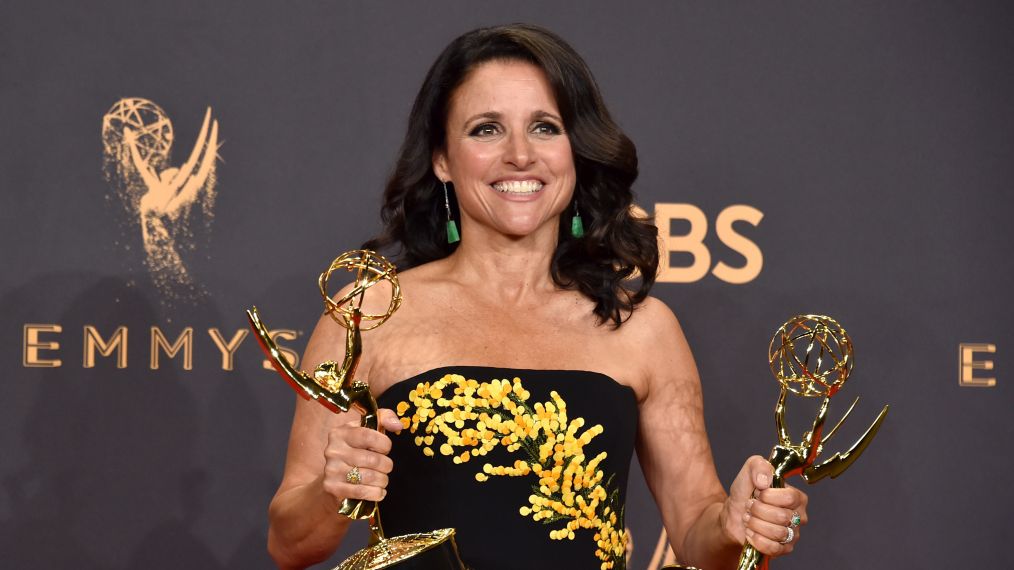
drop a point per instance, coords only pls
(546, 129)
(484, 130)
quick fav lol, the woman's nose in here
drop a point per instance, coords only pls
(519, 151)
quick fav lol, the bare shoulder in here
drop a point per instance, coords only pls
(420, 284)
(428, 273)
(653, 321)
(327, 342)
(652, 312)
(667, 358)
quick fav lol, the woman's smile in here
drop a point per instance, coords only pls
(519, 187)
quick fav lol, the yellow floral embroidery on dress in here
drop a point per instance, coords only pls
(465, 419)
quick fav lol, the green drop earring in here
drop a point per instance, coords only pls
(452, 226)
(576, 225)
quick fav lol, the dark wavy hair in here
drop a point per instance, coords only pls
(616, 245)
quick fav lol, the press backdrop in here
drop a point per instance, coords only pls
(854, 159)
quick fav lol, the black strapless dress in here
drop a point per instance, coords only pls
(530, 466)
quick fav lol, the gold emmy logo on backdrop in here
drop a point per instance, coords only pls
(334, 386)
(137, 138)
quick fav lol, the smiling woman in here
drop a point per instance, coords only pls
(507, 154)
(560, 118)
(524, 366)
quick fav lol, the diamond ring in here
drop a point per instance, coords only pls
(788, 536)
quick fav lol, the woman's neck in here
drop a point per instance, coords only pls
(508, 268)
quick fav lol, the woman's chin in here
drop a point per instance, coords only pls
(526, 229)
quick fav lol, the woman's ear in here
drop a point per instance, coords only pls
(440, 165)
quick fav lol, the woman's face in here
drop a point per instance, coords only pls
(506, 151)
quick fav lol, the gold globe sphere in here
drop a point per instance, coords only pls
(151, 128)
(370, 268)
(811, 355)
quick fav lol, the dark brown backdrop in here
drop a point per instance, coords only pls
(875, 138)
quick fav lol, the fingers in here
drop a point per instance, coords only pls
(770, 513)
(355, 437)
(761, 472)
(769, 517)
(389, 420)
(366, 459)
(786, 497)
(372, 485)
(768, 539)
(351, 447)
(755, 474)
(778, 505)
(764, 513)
(360, 447)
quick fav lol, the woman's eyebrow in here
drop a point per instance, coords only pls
(494, 115)
(546, 115)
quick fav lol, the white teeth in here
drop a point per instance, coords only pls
(518, 186)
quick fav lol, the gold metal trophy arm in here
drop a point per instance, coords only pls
(812, 441)
(840, 461)
(343, 380)
(834, 430)
(783, 433)
(302, 383)
(791, 459)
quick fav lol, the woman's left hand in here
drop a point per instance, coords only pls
(769, 519)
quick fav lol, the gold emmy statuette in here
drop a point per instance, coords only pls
(811, 356)
(334, 386)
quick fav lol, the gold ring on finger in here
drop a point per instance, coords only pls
(354, 477)
(796, 520)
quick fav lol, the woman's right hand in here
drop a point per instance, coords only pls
(352, 446)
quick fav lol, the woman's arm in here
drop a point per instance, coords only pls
(305, 527)
(706, 527)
